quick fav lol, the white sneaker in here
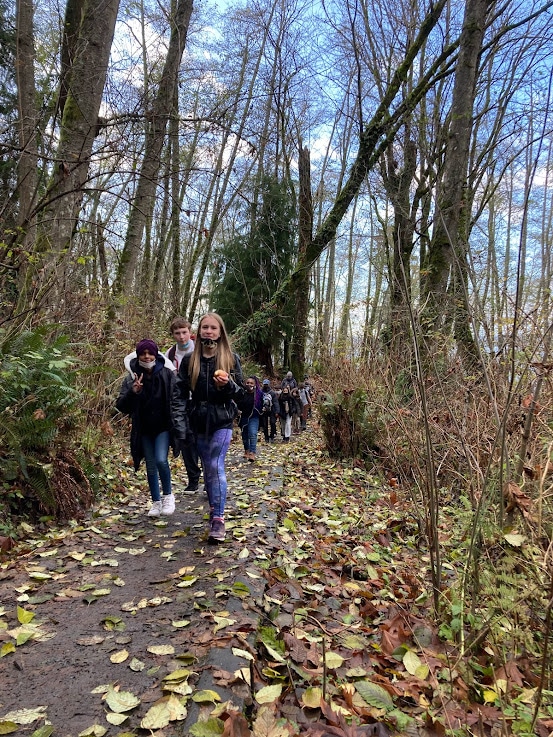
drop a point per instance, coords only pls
(155, 511)
(167, 504)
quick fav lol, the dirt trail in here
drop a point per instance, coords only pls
(125, 600)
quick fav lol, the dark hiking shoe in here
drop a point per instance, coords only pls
(217, 532)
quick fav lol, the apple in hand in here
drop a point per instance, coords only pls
(220, 377)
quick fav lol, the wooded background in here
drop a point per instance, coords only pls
(364, 191)
(333, 177)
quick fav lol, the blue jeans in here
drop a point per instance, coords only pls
(212, 449)
(249, 433)
(156, 451)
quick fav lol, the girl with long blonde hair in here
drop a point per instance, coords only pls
(208, 384)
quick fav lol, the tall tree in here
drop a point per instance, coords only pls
(59, 209)
(448, 248)
(373, 140)
(157, 119)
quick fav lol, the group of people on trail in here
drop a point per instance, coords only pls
(187, 399)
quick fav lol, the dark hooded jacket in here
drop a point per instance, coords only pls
(151, 410)
(205, 409)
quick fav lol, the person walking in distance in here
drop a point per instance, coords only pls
(251, 407)
(146, 395)
(305, 404)
(208, 385)
(184, 346)
(270, 411)
(285, 403)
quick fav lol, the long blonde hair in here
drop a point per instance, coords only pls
(224, 358)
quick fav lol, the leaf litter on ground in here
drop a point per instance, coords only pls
(347, 644)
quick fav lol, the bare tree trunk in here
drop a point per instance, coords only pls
(398, 187)
(143, 203)
(61, 206)
(373, 139)
(447, 251)
(28, 158)
(300, 299)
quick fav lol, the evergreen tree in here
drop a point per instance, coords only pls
(250, 268)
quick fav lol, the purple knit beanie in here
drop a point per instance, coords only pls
(147, 345)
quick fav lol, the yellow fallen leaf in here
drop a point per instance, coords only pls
(180, 674)
(242, 653)
(7, 727)
(205, 696)
(181, 623)
(24, 616)
(186, 582)
(268, 694)
(167, 709)
(137, 665)
(186, 569)
(119, 657)
(221, 623)
(161, 649)
(96, 730)
(121, 701)
(7, 648)
(26, 716)
(311, 697)
(333, 660)
(116, 719)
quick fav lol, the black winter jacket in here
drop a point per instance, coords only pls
(206, 408)
(151, 410)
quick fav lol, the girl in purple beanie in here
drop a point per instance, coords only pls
(146, 395)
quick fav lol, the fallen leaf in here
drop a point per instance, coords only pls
(167, 709)
(205, 696)
(23, 616)
(119, 657)
(26, 716)
(268, 694)
(161, 649)
(121, 701)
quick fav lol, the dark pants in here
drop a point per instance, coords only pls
(190, 457)
(268, 421)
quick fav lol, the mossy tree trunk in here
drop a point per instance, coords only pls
(373, 141)
(300, 299)
(81, 92)
(143, 203)
(444, 284)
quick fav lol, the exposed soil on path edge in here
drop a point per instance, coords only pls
(123, 582)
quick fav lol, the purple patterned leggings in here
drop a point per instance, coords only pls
(212, 449)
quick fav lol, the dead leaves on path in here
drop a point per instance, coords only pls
(346, 647)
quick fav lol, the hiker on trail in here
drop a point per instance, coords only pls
(146, 395)
(209, 383)
(270, 411)
(305, 404)
(289, 381)
(251, 408)
(184, 346)
(285, 404)
(296, 410)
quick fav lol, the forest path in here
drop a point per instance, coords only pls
(124, 600)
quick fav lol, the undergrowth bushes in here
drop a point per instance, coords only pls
(41, 470)
(451, 450)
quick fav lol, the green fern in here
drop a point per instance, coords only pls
(39, 410)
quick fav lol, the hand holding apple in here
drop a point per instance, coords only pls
(220, 378)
